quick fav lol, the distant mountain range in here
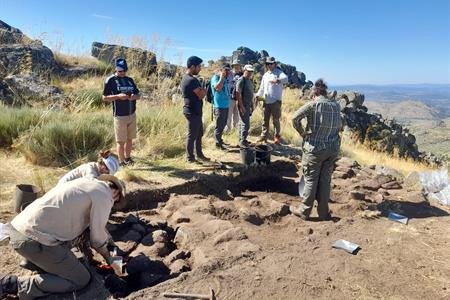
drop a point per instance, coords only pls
(435, 96)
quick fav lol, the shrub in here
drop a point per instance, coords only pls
(67, 139)
(13, 121)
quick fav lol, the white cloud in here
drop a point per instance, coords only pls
(101, 16)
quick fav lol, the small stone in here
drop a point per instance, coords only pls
(393, 185)
(159, 236)
(370, 185)
(232, 234)
(357, 195)
(339, 174)
(250, 216)
(131, 219)
(309, 231)
(175, 255)
(378, 198)
(179, 217)
(148, 240)
(131, 235)
(179, 266)
(127, 247)
(139, 228)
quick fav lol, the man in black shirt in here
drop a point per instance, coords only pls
(123, 93)
(193, 94)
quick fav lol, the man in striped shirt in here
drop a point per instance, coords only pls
(321, 143)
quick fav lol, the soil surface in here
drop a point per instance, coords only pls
(233, 233)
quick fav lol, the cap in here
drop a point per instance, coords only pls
(249, 68)
(226, 66)
(121, 64)
(235, 62)
(270, 60)
(194, 61)
(111, 163)
(119, 183)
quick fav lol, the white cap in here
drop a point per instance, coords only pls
(112, 164)
(249, 68)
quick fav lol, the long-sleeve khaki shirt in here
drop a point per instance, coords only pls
(66, 211)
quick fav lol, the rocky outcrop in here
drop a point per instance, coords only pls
(24, 88)
(245, 55)
(11, 35)
(139, 59)
(372, 130)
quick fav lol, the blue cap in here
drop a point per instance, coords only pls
(121, 64)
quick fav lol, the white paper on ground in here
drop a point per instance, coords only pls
(345, 245)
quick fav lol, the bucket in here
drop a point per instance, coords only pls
(25, 194)
(247, 155)
(262, 154)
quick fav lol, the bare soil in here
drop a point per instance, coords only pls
(244, 243)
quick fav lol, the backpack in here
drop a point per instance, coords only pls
(209, 92)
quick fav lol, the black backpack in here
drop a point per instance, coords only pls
(209, 92)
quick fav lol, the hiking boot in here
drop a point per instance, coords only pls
(191, 160)
(326, 218)
(244, 144)
(8, 285)
(221, 146)
(203, 158)
(297, 212)
(26, 264)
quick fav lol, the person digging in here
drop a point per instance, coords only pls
(43, 231)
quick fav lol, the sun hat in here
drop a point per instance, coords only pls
(111, 163)
(270, 60)
(249, 68)
(119, 183)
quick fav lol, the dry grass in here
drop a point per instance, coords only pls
(369, 157)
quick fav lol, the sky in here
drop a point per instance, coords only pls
(344, 42)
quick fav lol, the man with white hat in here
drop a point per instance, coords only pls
(42, 232)
(270, 91)
(244, 94)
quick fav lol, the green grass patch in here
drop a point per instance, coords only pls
(14, 121)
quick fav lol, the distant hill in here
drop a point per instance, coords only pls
(404, 111)
(434, 96)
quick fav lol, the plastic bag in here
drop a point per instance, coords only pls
(437, 185)
(4, 231)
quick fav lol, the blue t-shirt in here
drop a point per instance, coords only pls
(222, 97)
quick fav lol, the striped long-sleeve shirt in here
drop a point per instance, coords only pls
(324, 124)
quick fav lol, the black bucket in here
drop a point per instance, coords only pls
(247, 155)
(262, 154)
(25, 194)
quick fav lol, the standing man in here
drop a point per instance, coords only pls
(233, 112)
(270, 91)
(244, 95)
(123, 93)
(42, 233)
(221, 91)
(193, 95)
(321, 143)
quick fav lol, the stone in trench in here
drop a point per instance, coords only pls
(178, 217)
(188, 237)
(176, 254)
(154, 251)
(276, 211)
(382, 179)
(393, 185)
(127, 247)
(250, 216)
(357, 195)
(370, 185)
(139, 228)
(179, 266)
(160, 236)
(339, 174)
(131, 219)
(232, 234)
(131, 235)
(148, 240)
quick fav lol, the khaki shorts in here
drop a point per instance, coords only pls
(125, 128)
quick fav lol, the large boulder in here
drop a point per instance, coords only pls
(20, 59)
(24, 88)
(11, 35)
(244, 56)
(139, 59)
